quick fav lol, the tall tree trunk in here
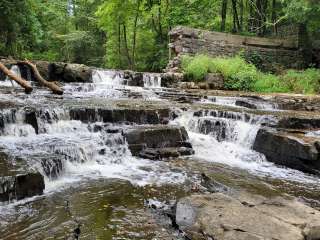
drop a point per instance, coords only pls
(119, 42)
(236, 23)
(126, 45)
(241, 14)
(251, 18)
(261, 13)
(224, 15)
(274, 16)
(159, 22)
(135, 34)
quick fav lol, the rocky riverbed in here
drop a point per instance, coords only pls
(130, 159)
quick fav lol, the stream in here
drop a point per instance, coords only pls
(100, 187)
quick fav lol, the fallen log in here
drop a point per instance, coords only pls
(22, 82)
(54, 87)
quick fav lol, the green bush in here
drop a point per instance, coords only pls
(241, 75)
(269, 83)
(196, 68)
(307, 82)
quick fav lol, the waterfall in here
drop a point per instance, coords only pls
(152, 80)
(108, 77)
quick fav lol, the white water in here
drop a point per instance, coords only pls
(80, 148)
(229, 142)
(112, 84)
(313, 134)
(236, 149)
(231, 101)
(152, 80)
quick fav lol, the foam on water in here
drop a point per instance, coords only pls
(84, 154)
(231, 101)
(313, 134)
(236, 148)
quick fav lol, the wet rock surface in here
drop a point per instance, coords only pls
(158, 142)
(138, 116)
(246, 216)
(161, 145)
(294, 150)
(21, 186)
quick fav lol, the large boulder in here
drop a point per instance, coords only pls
(246, 217)
(158, 142)
(67, 72)
(293, 150)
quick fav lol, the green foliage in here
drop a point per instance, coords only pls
(196, 68)
(307, 82)
(134, 33)
(241, 75)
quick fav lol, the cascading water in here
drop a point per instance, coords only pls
(238, 102)
(228, 138)
(38, 132)
(114, 84)
(152, 80)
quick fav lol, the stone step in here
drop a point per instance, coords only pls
(291, 149)
(137, 116)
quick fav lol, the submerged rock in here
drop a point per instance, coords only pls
(246, 217)
(289, 149)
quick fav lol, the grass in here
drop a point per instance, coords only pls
(241, 75)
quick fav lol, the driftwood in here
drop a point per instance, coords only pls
(22, 82)
(54, 87)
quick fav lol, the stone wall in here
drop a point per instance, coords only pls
(271, 52)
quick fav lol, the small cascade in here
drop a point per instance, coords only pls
(152, 80)
(222, 137)
(243, 102)
(234, 129)
(241, 116)
(108, 77)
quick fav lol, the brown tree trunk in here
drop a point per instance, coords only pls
(224, 14)
(135, 34)
(55, 88)
(126, 46)
(236, 23)
(274, 16)
(22, 82)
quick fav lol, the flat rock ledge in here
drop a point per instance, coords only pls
(294, 149)
(246, 217)
(158, 142)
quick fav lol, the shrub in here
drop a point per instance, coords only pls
(307, 82)
(196, 68)
(269, 83)
(241, 75)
